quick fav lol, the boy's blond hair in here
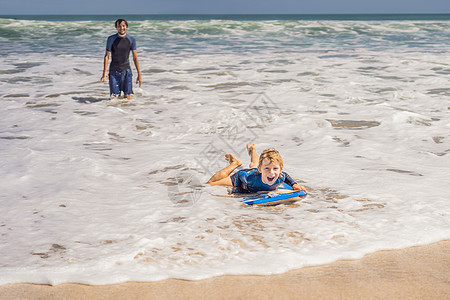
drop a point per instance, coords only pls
(272, 155)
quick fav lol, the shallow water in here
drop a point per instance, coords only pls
(103, 191)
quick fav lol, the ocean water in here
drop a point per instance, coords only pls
(101, 191)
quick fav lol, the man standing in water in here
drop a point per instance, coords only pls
(119, 46)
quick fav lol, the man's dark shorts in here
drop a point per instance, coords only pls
(120, 82)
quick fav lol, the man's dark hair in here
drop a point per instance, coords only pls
(120, 21)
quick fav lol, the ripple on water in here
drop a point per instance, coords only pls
(352, 124)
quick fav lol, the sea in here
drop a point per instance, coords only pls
(95, 190)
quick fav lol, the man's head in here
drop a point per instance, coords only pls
(270, 166)
(121, 26)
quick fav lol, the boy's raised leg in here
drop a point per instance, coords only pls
(222, 177)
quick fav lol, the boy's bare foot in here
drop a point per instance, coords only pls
(233, 160)
(254, 157)
(251, 148)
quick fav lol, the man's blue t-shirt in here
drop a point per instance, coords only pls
(249, 181)
(120, 48)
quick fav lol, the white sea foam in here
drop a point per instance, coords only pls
(103, 191)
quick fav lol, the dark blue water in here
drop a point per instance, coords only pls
(240, 17)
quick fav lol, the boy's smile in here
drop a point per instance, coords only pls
(269, 172)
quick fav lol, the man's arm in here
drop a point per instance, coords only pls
(105, 66)
(136, 63)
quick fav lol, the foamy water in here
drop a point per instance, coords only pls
(103, 191)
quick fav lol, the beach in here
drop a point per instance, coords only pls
(420, 272)
(100, 193)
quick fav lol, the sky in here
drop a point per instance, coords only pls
(221, 6)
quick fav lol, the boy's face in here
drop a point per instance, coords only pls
(269, 171)
(122, 28)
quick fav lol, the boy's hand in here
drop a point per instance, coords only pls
(298, 187)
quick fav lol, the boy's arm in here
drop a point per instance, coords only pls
(288, 179)
(298, 187)
(136, 63)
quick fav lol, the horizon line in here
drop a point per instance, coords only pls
(220, 14)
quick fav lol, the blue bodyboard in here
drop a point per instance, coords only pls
(283, 195)
(271, 198)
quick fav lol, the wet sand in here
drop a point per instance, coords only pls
(414, 273)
